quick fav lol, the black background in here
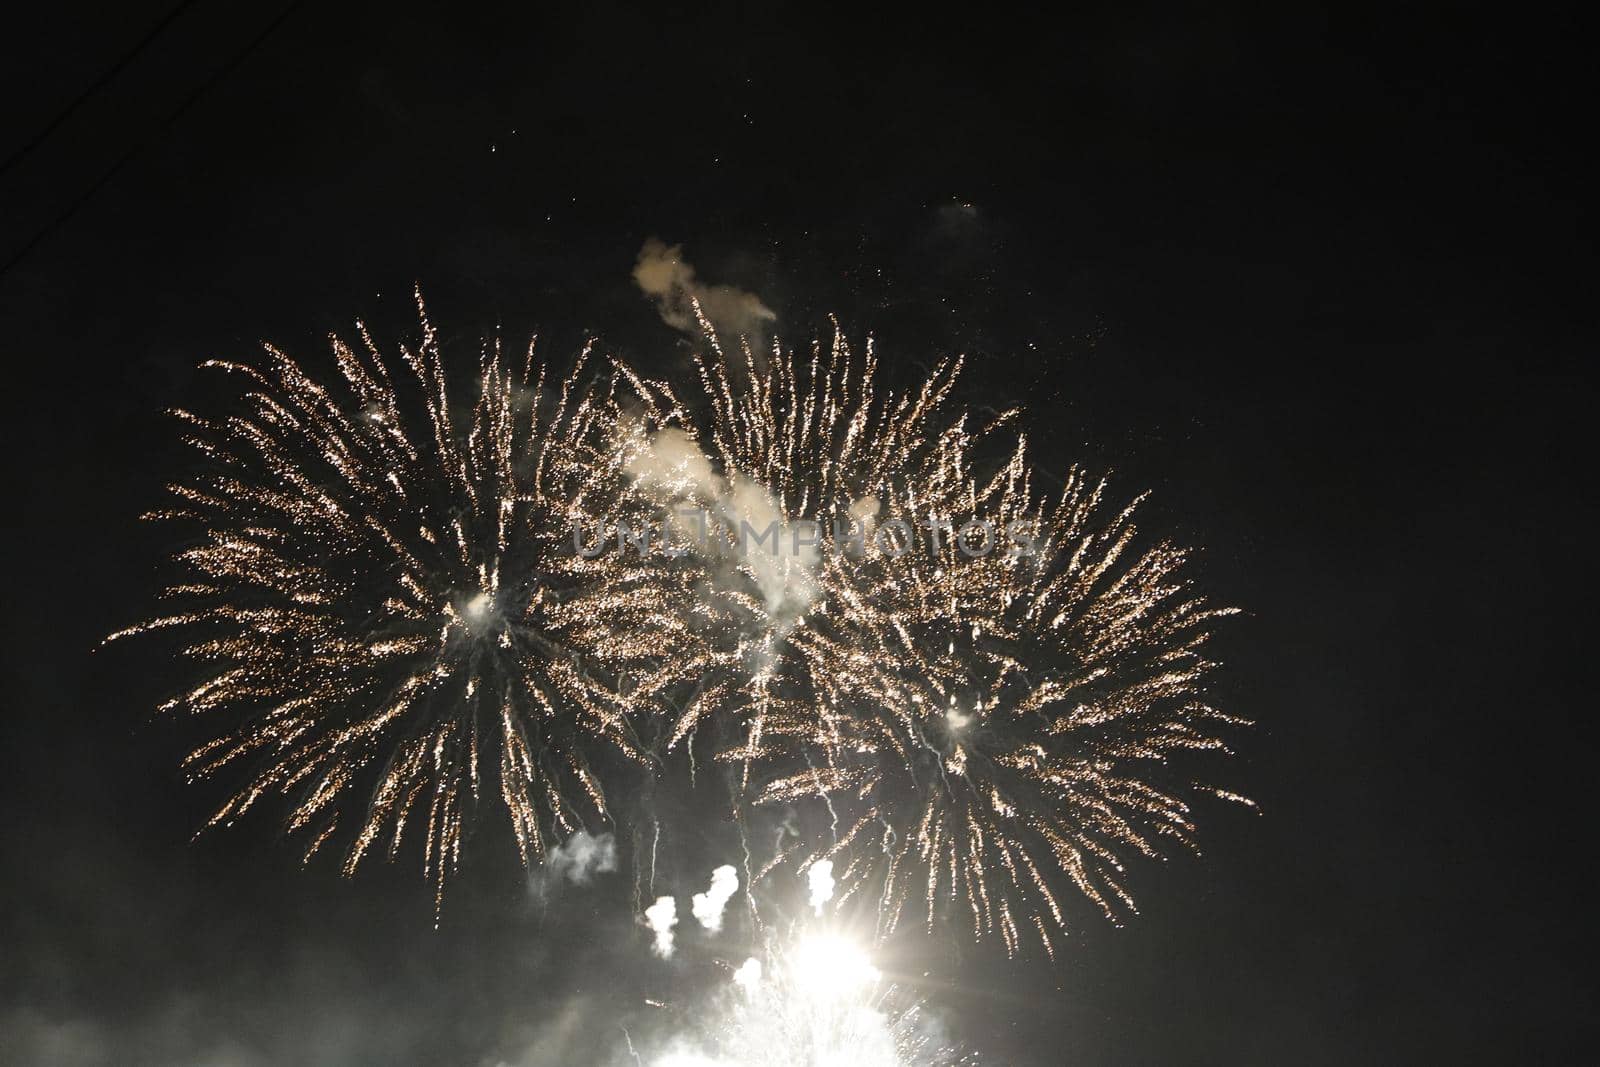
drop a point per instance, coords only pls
(1319, 278)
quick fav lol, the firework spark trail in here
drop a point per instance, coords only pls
(1004, 722)
(386, 608)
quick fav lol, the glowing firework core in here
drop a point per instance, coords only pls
(828, 966)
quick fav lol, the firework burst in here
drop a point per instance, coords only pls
(800, 638)
(1044, 748)
(986, 689)
(387, 610)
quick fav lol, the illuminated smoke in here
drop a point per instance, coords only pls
(661, 917)
(748, 976)
(581, 857)
(669, 281)
(708, 906)
(819, 880)
(766, 545)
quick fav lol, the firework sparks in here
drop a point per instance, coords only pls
(986, 689)
(805, 633)
(1043, 754)
(386, 605)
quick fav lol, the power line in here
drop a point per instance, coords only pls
(95, 86)
(182, 109)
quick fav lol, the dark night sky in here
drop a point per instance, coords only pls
(1321, 279)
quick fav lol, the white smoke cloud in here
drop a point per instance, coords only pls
(820, 883)
(676, 469)
(708, 906)
(674, 466)
(669, 280)
(780, 557)
(581, 857)
(748, 976)
(783, 571)
(661, 917)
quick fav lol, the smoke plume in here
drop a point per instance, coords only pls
(819, 880)
(666, 278)
(581, 857)
(708, 906)
(661, 917)
(777, 555)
